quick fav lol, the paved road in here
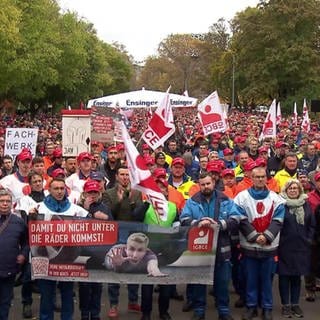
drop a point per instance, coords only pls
(311, 310)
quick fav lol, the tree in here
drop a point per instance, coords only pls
(277, 50)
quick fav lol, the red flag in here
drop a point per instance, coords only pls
(161, 125)
(141, 178)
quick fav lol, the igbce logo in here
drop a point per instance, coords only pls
(200, 239)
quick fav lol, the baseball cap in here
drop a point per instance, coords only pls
(250, 165)
(263, 149)
(226, 172)
(177, 161)
(112, 148)
(280, 144)
(317, 176)
(149, 160)
(213, 166)
(159, 172)
(227, 151)
(56, 172)
(120, 147)
(145, 147)
(84, 155)
(94, 143)
(261, 162)
(97, 176)
(24, 155)
(91, 185)
(163, 181)
(57, 153)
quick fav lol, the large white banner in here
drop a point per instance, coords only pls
(19, 138)
(141, 99)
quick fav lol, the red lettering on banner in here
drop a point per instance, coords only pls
(151, 136)
(68, 271)
(72, 233)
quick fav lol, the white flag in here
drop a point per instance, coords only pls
(269, 128)
(295, 114)
(141, 178)
(211, 115)
(161, 125)
(278, 113)
(305, 125)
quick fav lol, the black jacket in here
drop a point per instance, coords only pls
(13, 242)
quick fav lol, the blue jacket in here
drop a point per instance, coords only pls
(13, 240)
(197, 208)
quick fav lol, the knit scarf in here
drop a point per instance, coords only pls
(296, 206)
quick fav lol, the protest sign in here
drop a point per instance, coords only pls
(76, 135)
(19, 138)
(99, 251)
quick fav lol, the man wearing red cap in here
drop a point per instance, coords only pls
(229, 182)
(178, 178)
(151, 217)
(76, 181)
(246, 182)
(57, 203)
(57, 161)
(16, 181)
(90, 292)
(145, 150)
(173, 194)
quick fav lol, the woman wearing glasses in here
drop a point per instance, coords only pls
(294, 247)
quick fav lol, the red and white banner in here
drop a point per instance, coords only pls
(269, 129)
(278, 113)
(305, 125)
(161, 125)
(141, 178)
(295, 114)
(211, 115)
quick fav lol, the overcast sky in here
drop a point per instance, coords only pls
(141, 25)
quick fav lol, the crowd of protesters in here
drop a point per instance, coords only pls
(263, 193)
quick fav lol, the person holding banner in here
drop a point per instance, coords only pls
(165, 291)
(90, 292)
(57, 203)
(206, 207)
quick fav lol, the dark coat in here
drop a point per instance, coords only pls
(295, 243)
(13, 241)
